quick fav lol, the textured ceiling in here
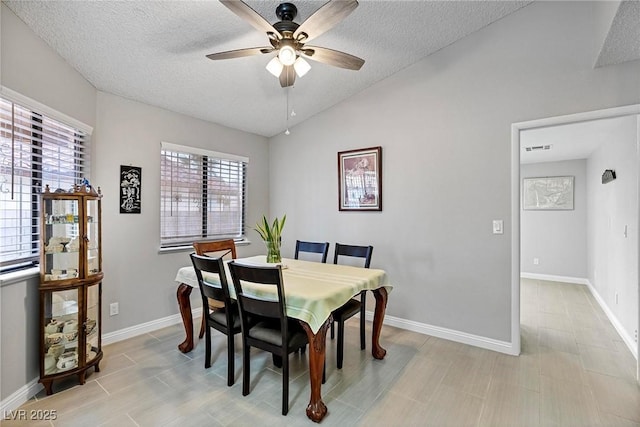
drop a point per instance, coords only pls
(622, 43)
(154, 51)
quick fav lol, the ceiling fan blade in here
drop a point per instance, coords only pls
(287, 76)
(325, 18)
(332, 57)
(245, 12)
(239, 53)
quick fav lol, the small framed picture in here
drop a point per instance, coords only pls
(130, 189)
(360, 179)
(548, 193)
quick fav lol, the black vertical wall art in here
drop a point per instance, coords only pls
(130, 189)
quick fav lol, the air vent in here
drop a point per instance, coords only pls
(538, 148)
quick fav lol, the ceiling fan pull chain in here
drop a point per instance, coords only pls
(287, 111)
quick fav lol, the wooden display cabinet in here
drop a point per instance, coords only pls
(70, 284)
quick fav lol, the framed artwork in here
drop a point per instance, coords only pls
(130, 189)
(360, 179)
(547, 193)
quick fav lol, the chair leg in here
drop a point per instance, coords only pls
(245, 368)
(207, 353)
(203, 325)
(340, 343)
(332, 333)
(285, 384)
(363, 340)
(231, 371)
(277, 360)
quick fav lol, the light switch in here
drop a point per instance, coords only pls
(497, 226)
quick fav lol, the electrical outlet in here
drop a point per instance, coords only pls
(536, 261)
(113, 309)
(616, 298)
(636, 335)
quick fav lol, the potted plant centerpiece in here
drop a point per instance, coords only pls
(271, 235)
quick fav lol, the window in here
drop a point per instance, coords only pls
(202, 195)
(35, 150)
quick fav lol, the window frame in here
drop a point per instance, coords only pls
(40, 113)
(206, 159)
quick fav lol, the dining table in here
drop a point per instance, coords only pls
(312, 291)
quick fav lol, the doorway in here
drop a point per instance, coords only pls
(519, 132)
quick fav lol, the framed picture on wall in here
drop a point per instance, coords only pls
(360, 179)
(130, 189)
(548, 193)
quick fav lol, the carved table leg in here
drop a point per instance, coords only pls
(381, 305)
(316, 410)
(184, 291)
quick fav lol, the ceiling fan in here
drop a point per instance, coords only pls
(289, 38)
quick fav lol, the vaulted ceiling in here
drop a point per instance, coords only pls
(154, 51)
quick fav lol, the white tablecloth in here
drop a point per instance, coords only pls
(312, 289)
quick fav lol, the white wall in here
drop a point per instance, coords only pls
(444, 125)
(125, 132)
(612, 257)
(557, 238)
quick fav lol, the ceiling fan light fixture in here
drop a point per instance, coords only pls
(275, 67)
(287, 55)
(301, 66)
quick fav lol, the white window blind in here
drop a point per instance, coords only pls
(35, 150)
(202, 195)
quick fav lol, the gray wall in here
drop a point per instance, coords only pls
(612, 257)
(444, 125)
(557, 238)
(129, 133)
(31, 68)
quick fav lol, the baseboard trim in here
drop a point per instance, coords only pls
(449, 334)
(626, 338)
(22, 395)
(145, 328)
(554, 278)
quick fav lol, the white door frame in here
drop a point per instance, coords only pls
(516, 128)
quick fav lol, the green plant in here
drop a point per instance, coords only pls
(273, 232)
(272, 236)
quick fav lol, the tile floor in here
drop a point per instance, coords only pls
(574, 370)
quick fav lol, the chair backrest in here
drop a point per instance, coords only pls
(211, 266)
(354, 251)
(251, 305)
(312, 247)
(214, 246)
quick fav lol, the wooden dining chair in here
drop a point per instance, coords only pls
(273, 331)
(225, 320)
(353, 306)
(312, 247)
(215, 248)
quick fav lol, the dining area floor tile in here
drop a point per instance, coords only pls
(569, 373)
